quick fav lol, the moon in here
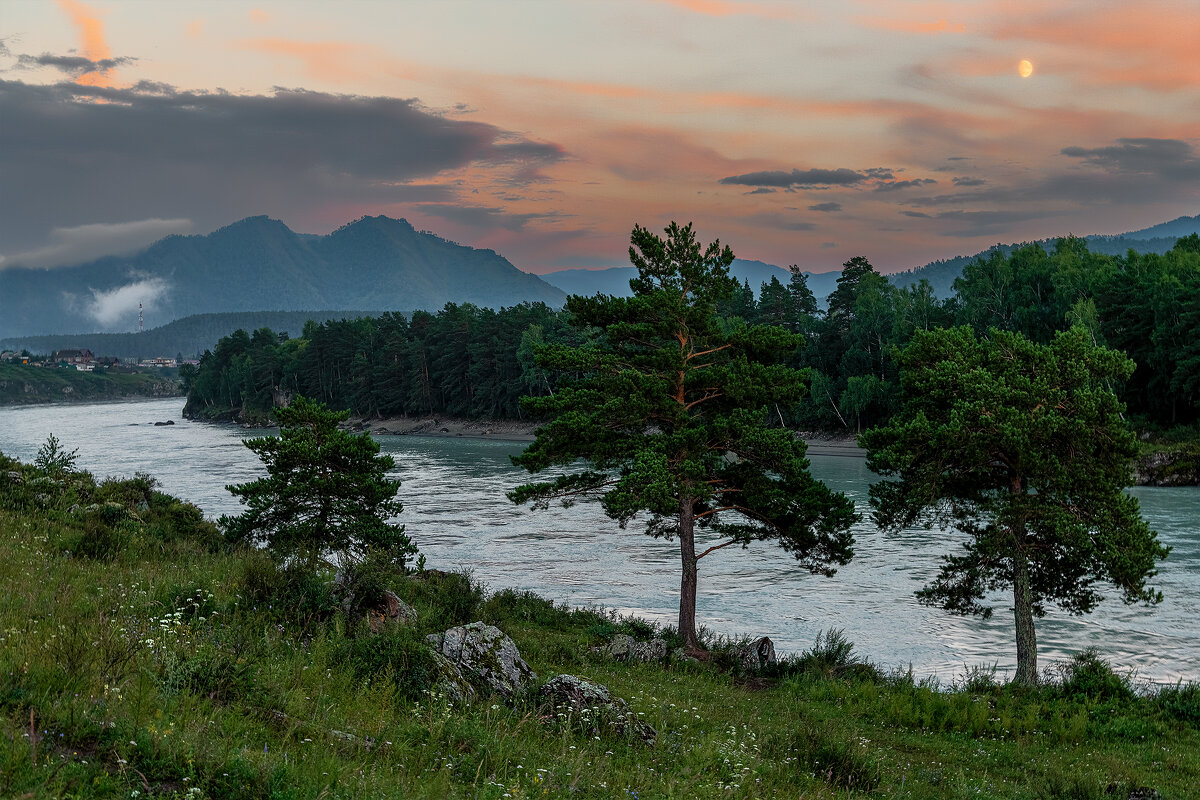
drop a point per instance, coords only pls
(1025, 68)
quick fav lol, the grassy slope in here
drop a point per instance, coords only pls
(23, 384)
(148, 668)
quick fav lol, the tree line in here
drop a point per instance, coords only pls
(477, 362)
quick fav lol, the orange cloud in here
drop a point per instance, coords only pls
(727, 8)
(94, 46)
(1155, 45)
(910, 26)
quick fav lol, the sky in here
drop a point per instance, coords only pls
(796, 132)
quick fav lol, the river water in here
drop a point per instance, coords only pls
(456, 512)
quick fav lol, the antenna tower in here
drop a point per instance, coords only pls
(141, 328)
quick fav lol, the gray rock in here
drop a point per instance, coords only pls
(14, 477)
(624, 647)
(679, 655)
(757, 655)
(595, 704)
(449, 681)
(486, 657)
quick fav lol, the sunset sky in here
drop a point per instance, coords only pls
(797, 132)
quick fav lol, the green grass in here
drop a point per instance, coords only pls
(160, 665)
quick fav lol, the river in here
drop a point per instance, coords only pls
(456, 512)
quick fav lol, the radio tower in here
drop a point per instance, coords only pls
(141, 328)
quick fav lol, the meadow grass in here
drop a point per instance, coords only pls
(140, 658)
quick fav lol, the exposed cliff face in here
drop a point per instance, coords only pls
(1178, 466)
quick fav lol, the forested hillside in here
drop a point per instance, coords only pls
(189, 336)
(470, 361)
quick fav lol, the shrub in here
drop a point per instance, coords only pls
(511, 605)
(399, 653)
(1181, 701)
(1088, 675)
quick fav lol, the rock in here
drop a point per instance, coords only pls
(758, 655)
(168, 422)
(620, 647)
(449, 681)
(394, 611)
(593, 702)
(1144, 793)
(14, 477)
(624, 647)
(680, 656)
(486, 657)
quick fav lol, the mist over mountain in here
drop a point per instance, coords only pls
(259, 264)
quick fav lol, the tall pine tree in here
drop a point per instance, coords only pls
(670, 415)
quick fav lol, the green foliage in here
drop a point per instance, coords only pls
(1181, 701)
(326, 492)
(1023, 448)
(156, 675)
(53, 460)
(1087, 675)
(667, 407)
(399, 655)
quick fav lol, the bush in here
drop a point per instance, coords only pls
(510, 605)
(1089, 676)
(102, 534)
(399, 654)
(831, 656)
(293, 593)
(1181, 701)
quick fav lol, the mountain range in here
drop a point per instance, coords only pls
(259, 264)
(940, 274)
(373, 264)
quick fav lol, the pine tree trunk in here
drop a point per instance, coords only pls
(687, 585)
(1023, 610)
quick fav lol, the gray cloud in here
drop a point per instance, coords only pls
(478, 216)
(826, 207)
(86, 155)
(803, 179)
(1171, 159)
(86, 242)
(762, 190)
(72, 65)
(980, 223)
(892, 186)
(916, 214)
(965, 181)
(780, 222)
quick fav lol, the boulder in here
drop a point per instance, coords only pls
(595, 704)
(449, 682)
(14, 477)
(757, 655)
(486, 657)
(394, 611)
(161, 424)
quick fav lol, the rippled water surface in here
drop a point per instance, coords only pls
(456, 512)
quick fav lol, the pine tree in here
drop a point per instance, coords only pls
(1022, 447)
(326, 492)
(670, 415)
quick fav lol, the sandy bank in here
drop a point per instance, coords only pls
(511, 430)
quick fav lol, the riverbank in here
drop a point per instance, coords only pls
(140, 656)
(25, 385)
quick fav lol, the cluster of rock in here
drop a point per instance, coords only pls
(480, 659)
(755, 656)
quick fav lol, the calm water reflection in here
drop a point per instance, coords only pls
(456, 512)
